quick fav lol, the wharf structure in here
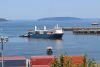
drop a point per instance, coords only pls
(80, 28)
(83, 30)
(86, 31)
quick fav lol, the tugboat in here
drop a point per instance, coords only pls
(55, 33)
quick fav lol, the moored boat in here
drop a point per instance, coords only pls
(55, 33)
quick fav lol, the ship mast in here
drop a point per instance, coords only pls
(57, 26)
(44, 28)
(35, 28)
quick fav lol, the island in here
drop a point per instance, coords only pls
(59, 19)
(2, 19)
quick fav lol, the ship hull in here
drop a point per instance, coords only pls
(45, 36)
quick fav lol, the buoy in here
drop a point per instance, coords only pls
(49, 51)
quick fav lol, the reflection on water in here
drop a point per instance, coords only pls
(58, 44)
(58, 41)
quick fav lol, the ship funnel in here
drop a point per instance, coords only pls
(44, 27)
(35, 28)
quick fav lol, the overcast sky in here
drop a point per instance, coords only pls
(34, 9)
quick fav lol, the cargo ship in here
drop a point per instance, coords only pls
(55, 33)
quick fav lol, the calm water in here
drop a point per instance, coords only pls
(69, 45)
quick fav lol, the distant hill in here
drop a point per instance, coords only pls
(59, 19)
(2, 19)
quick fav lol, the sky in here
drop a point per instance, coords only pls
(35, 9)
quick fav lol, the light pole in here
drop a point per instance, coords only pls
(2, 41)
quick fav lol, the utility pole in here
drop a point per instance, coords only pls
(2, 41)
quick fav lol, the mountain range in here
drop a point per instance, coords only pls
(58, 18)
(68, 19)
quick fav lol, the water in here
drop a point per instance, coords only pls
(69, 45)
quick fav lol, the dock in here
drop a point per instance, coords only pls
(86, 32)
(80, 28)
(83, 30)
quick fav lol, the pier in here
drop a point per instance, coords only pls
(83, 30)
(86, 31)
(80, 28)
